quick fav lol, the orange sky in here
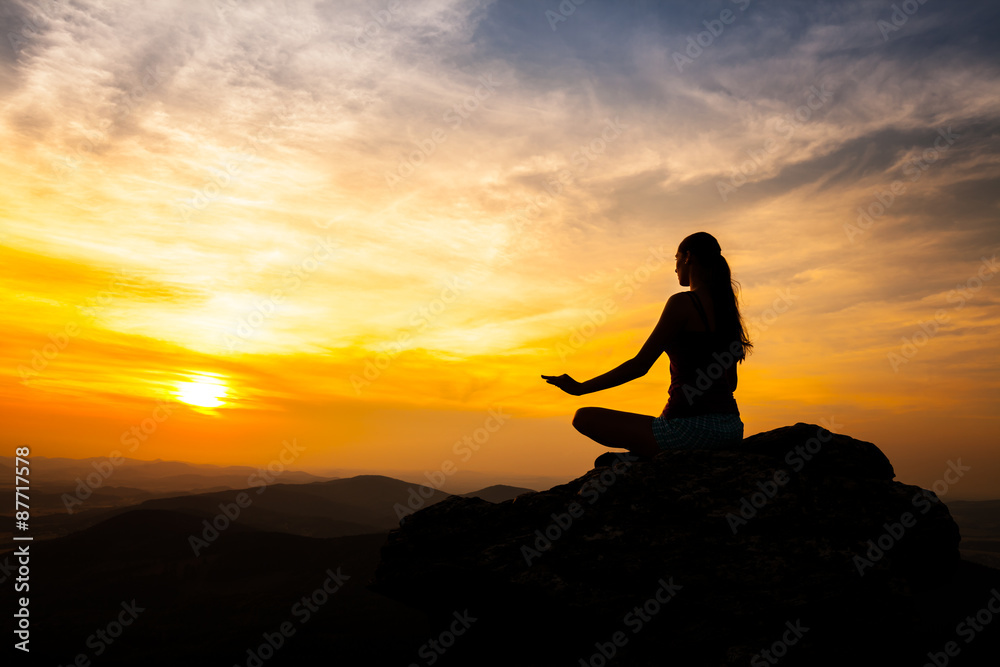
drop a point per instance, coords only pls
(369, 244)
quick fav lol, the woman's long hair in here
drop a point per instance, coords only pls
(722, 287)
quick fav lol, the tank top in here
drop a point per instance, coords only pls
(702, 372)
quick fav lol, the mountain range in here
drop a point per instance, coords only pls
(215, 574)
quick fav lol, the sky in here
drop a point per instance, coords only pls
(368, 228)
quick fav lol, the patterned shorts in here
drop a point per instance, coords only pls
(713, 431)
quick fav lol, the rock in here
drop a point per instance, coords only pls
(803, 443)
(798, 536)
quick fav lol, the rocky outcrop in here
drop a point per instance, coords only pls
(796, 545)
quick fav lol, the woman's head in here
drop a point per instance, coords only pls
(700, 254)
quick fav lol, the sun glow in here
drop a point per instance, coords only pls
(202, 390)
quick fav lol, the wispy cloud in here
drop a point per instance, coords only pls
(208, 150)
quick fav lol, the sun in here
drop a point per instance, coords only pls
(204, 391)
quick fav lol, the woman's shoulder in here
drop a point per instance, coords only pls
(680, 304)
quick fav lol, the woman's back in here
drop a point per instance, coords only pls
(702, 364)
(694, 321)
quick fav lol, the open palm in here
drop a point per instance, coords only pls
(564, 382)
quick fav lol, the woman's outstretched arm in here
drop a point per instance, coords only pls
(671, 321)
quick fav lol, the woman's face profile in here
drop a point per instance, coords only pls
(681, 269)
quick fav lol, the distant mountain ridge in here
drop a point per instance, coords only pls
(980, 524)
(497, 493)
(213, 608)
(259, 570)
(332, 508)
(154, 476)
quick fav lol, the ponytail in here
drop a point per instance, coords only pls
(724, 290)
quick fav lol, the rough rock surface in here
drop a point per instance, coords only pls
(798, 537)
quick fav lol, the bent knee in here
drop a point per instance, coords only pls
(584, 417)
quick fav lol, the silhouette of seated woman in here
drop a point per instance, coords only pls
(702, 332)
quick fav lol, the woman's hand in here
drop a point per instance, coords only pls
(566, 383)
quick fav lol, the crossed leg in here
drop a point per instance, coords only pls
(614, 428)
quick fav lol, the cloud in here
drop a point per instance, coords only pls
(210, 150)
